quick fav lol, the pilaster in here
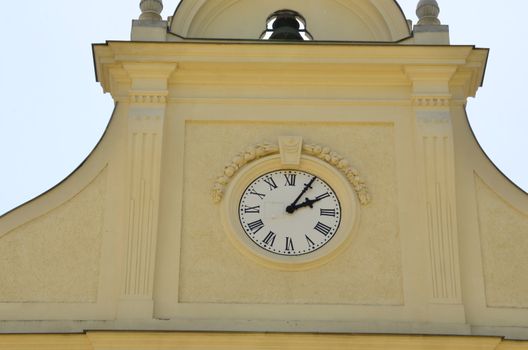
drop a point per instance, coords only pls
(146, 113)
(435, 164)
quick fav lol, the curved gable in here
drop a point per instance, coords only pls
(327, 20)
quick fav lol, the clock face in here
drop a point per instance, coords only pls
(289, 212)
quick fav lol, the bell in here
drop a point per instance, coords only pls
(286, 33)
(286, 26)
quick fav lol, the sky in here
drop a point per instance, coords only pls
(54, 113)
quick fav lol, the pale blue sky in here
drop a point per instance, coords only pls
(46, 72)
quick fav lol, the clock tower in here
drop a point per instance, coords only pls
(276, 173)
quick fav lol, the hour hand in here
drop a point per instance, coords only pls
(292, 207)
(307, 203)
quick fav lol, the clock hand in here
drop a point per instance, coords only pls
(307, 203)
(291, 208)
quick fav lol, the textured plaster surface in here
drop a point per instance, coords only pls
(504, 237)
(55, 257)
(368, 272)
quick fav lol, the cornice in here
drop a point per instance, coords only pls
(317, 52)
(372, 64)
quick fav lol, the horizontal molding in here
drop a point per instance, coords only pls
(148, 98)
(316, 53)
(290, 101)
(301, 59)
(431, 101)
(301, 101)
(249, 341)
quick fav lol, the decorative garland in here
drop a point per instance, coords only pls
(265, 149)
(339, 162)
(250, 154)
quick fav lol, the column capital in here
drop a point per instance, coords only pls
(430, 83)
(149, 82)
(430, 72)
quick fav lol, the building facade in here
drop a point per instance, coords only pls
(276, 174)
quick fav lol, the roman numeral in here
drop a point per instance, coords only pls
(252, 210)
(255, 193)
(256, 226)
(270, 239)
(323, 196)
(289, 244)
(328, 212)
(271, 183)
(325, 230)
(310, 242)
(290, 179)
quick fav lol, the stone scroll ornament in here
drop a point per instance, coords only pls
(265, 149)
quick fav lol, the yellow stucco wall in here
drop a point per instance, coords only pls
(209, 259)
(56, 257)
(504, 236)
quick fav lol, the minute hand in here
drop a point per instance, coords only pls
(292, 207)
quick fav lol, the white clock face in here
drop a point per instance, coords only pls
(289, 212)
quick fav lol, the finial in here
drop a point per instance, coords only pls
(151, 10)
(428, 11)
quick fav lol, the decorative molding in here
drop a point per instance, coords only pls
(431, 101)
(261, 150)
(338, 161)
(250, 154)
(148, 98)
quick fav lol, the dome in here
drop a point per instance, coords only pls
(326, 20)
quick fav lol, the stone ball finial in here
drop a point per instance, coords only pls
(427, 12)
(151, 10)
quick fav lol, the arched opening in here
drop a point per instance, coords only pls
(286, 25)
